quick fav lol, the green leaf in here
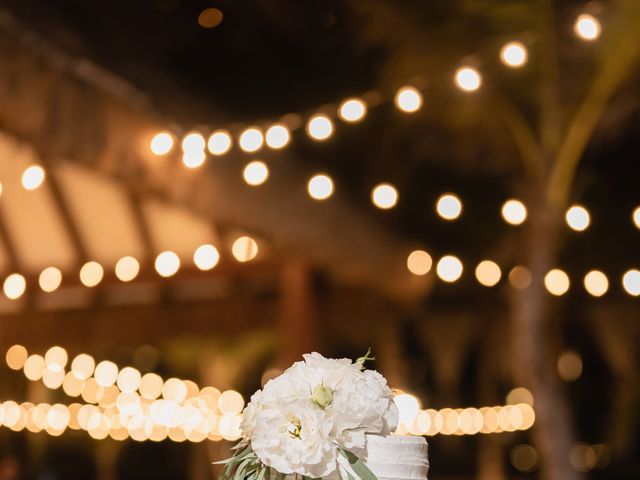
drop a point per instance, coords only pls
(358, 465)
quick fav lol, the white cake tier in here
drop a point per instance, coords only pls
(397, 457)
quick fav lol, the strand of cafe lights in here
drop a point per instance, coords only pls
(123, 403)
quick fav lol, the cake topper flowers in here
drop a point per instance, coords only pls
(311, 421)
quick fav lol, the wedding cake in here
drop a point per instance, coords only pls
(397, 457)
(325, 419)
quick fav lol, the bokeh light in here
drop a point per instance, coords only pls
(488, 273)
(128, 380)
(255, 173)
(596, 283)
(206, 257)
(468, 79)
(320, 186)
(251, 140)
(520, 395)
(34, 367)
(230, 402)
(16, 356)
(408, 407)
(449, 206)
(127, 269)
(56, 358)
(106, 373)
(161, 143)
(587, 27)
(514, 212)
(635, 216)
(219, 142)
(408, 99)
(91, 274)
(557, 282)
(244, 249)
(514, 54)
(193, 142)
(578, 218)
(419, 262)
(384, 196)
(352, 110)
(50, 279)
(33, 177)
(320, 127)
(83, 366)
(524, 458)
(193, 158)
(449, 268)
(570, 366)
(277, 136)
(631, 282)
(210, 18)
(14, 286)
(520, 277)
(167, 263)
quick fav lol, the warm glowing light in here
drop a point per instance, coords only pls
(408, 407)
(14, 286)
(578, 218)
(587, 27)
(419, 262)
(128, 380)
(636, 217)
(251, 140)
(468, 79)
(352, 110)
(514, 54)
(193, 158)
(408, 99)
(244, 249)
(33, 177)
(219, 142)
(596, 283)
(277, 136)
(320, 186)
(16, 356)
(583, 457)
(58, 416)
(106, 373)
(56, 358)
(91, 274)
(384, 196)
(255, 173)
(520, 277)
(557, 282)
(50, 279)
(449, 206)
(167, 264)
(230, 402)
(520, 395)
(320, 127)
(631, 282)
(449, 268)
(488, 273)
(570, 366)
(151, 386)
(82, 366)
(210, 18)
(524, 458)
(206, 257)
(514, 212)
(174, 390)
(161, 143)
(127, 268)
(34, 367)
(193, 142)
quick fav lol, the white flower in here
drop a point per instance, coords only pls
(294, 438)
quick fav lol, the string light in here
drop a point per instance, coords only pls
(193, 142)
(161, 143)
(277, 136)
(50, 279)
(219, 142)
(520, 395)
(384, 196)
(569, 366)
(488, 273)
(106, 373)
(578, 218)
(408, 99)
(167, 264)
(514, 212)
(91, 274)
(557, 282)
(33, 177)
(244, 249)
(210, 18)
(587, 27)
(520, 277)
(251, 140)
(468, 79)
(631, 282)
(352, 110)
(16, 357)
(14, 286)
(127, 269)
(449, 206)
(320, 127)
(320, 186)
(514, 54)
(193, 158)
(636, 217)
(206, 257)
(524, 458)
(596, 283)
(255, 173)
(419, 262)
(449, 268)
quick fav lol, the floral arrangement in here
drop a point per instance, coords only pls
(311, 422)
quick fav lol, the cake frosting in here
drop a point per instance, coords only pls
(397, 457)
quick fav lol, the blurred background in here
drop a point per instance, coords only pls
(195, 193)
